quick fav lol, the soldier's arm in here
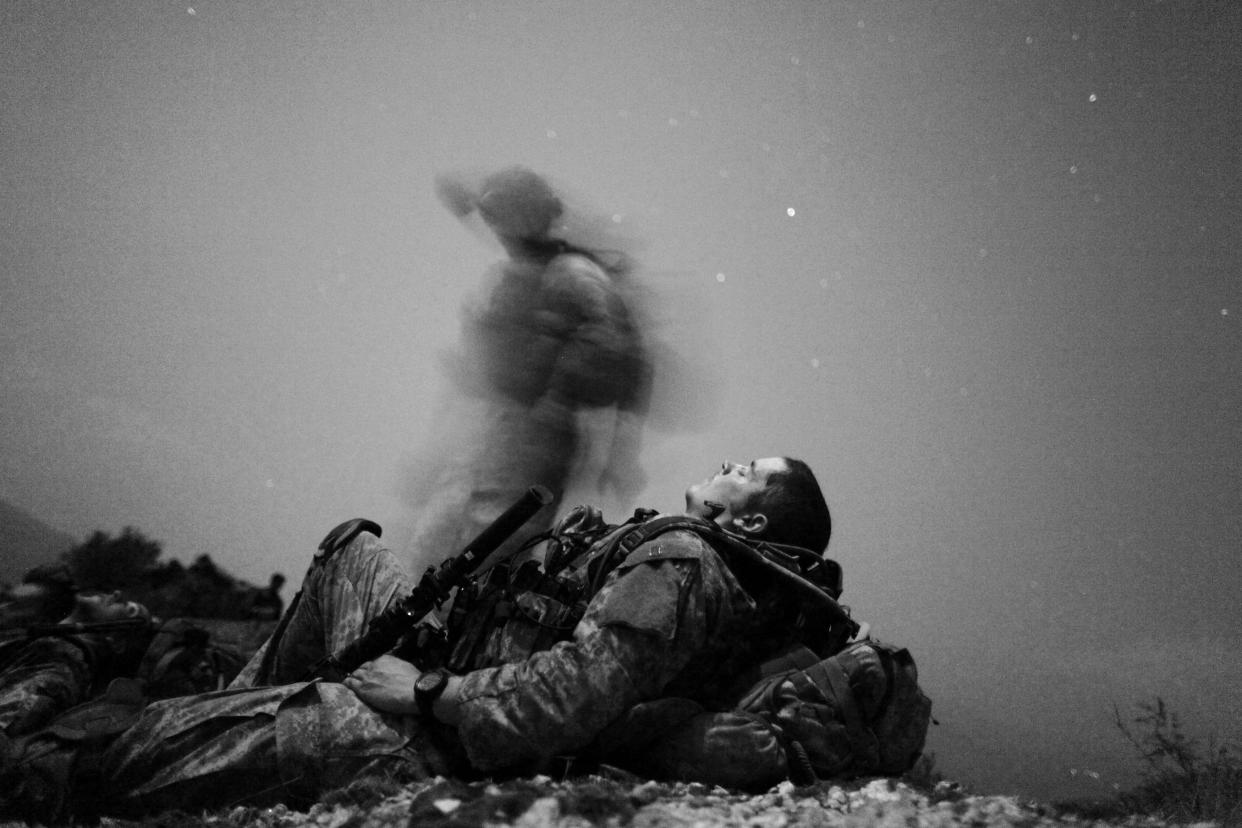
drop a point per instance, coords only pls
(50, 676)
(638, 634)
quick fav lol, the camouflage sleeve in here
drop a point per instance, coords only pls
(647, 623)
(48, 677)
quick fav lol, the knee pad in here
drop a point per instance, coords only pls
(342, 534)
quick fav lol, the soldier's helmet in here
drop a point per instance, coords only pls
(518, 203)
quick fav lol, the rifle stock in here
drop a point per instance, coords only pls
(435, 586)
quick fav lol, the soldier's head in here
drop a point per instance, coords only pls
(775, 499)
(518, 205)
(92, 607)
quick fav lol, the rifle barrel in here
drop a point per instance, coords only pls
(78, 627)
(522, 510)
(386, 629)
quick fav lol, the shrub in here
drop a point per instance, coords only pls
(1183, 781)
(106, 563)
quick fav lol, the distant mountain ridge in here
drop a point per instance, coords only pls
(26, 541)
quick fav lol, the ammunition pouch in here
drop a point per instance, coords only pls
(510, 614)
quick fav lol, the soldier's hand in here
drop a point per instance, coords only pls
(387, 684)
(455, 194)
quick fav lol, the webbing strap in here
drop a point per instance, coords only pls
(529, 578)
(828, 674)
(890, 685)
(161, 666)
(799, 658)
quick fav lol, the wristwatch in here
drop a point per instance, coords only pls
(427, 688)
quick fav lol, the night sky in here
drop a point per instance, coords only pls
(978, 264)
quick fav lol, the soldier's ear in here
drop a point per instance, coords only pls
(750, 524)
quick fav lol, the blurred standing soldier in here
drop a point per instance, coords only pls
(551, 369)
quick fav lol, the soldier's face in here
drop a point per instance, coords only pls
(107, 606)
(731, 487)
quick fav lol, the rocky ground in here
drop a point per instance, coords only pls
(621, 801)
(545, 803)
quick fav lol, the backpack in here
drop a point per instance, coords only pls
(183, 659)
(858, 712)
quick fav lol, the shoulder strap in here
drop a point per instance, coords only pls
(830, 675)
(643, 532)
(628, 537)
(777, 561)
(623, 540)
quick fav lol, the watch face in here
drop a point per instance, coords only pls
(430, 682)
(427, 688)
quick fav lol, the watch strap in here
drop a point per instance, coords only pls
(427, 689)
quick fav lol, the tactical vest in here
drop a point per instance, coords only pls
(508, 613)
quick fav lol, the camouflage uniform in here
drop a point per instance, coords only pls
(46, 676)
(272, 736)
(672, 621)
(41, 677)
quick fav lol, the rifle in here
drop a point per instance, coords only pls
(432, 590)
(77, 628)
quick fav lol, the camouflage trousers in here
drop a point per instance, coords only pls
(259, 742)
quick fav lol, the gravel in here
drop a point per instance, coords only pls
(545, 803)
